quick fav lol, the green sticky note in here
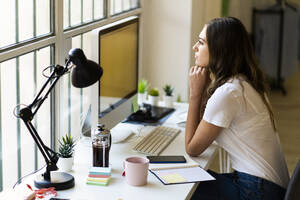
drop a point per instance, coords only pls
(97, 183)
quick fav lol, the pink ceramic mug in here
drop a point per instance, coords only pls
(136, 170)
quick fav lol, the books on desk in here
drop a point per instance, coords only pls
(99, 176)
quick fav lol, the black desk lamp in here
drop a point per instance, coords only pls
(84, 73)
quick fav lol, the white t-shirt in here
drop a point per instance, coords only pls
(248, 134)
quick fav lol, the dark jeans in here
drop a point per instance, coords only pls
(238, 185)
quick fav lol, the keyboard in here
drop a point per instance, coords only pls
(156, 141)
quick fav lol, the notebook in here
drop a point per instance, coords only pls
(181, 174)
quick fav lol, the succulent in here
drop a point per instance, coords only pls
(168, 90)
(154, 92)
(142, 86)
(66, 146)
(178, 99)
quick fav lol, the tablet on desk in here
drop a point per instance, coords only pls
(149, 115)
(166, 159)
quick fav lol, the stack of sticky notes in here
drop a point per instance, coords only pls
(99, 176)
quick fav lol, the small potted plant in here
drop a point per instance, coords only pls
(178, 100)
(154, 96)
(142, 91)
(168, 98)
(65, 153)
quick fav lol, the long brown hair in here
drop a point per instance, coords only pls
(230, 54)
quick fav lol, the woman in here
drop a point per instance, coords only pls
(228, 104)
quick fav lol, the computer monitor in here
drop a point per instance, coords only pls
(118, 56)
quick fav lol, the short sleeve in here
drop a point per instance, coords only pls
(222, 106)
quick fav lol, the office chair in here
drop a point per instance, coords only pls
(293, 189)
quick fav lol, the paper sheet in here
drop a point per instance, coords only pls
(182, 175)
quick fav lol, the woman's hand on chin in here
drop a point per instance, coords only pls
(198, 80)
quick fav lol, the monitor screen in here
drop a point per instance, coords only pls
(118, 56)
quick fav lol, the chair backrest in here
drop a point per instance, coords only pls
(293, 189)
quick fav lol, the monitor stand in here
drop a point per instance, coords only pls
(149, 114)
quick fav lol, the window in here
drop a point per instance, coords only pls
(24, 20)
(20, 80)
(119, 6)
(78, 12)
(29, 43)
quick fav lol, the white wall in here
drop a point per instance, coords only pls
(202, 12)
(166, 43)
(243, 9)
(170, 29)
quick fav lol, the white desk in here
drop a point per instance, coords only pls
(118, 189)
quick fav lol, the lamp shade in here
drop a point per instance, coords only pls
(86, 72)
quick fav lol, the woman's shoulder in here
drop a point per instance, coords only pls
(233, 86)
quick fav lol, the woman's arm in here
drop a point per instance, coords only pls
(198, 133)
(196, 142)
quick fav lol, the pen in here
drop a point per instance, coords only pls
(175, 167)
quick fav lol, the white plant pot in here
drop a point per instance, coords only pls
(168, 100)
(65, 164)
(142, 98)
(153, 100)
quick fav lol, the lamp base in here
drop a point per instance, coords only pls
(59, 180)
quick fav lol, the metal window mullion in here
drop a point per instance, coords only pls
(52, 95)
(35, 120)
(69, 104)
(1, 145)
(81, 89)
(81, 11)
(52, 107)
(106, 7)
(114, 8)
(17, 20)
(81, 41)
(51, 4)
(93, 10)
(18, 120)
(69, 11)
(34, 18)
(35, 81)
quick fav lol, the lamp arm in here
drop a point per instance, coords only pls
(46, 151)
(37, 97)
(56, 74)
(50, 157)
(26, 114)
